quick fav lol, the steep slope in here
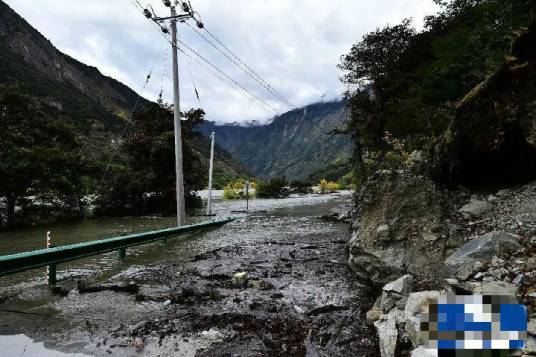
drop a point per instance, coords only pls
(94, 103)
(31, 60)
(295, 144)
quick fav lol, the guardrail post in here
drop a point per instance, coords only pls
(122, 253)
(51, 269)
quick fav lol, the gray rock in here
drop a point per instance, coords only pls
(394, 294)
(387, 301)
(370, 268)
(407, 204)
(530, 347)
(421, 351)
(459, 288)
(482, 249)
(402, 285)
(531, 328)
(384, 232)
(416, 305)
(388, 332)
(428, 236)
(475, 208)
(495, 288)
(499, 273)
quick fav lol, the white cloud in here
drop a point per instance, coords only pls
(294, 44)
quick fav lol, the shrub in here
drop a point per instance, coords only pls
(348, 182)
(275, 188)
(236, 190)
(300, 187)
(327, 186)
(230, 193)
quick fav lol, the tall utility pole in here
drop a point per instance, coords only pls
(181, 214)
(211, 167)
(187, 13)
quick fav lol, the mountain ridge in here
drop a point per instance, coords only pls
(295, 144)
(98, 106)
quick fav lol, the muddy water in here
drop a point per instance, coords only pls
(178, 249)
(297, 282)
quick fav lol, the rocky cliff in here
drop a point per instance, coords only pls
(492, 140)
(417, 240)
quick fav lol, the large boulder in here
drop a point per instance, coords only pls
(387, 328)
(492, 140)
(481, 250)
(475, 208)
(400, 228)
(417, 305)
(394, 294)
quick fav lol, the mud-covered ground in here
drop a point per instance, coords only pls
(283, 288)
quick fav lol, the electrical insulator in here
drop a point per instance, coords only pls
(165, 30)
(200, 24)
(185, 7)
(147, 14)
(167, 3)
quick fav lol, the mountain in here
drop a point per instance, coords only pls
(97, 105)
(296, 144)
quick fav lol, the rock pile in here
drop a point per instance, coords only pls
(415, 241)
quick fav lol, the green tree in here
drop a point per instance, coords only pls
(403, 86)
(145, 182)
(39, 155)
(274, 188)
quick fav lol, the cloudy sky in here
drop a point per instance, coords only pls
(295, 45)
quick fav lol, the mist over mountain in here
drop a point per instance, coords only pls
(295, 145)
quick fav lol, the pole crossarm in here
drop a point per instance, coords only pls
(16, 263)
(177, 17)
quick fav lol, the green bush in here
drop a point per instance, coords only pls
(300, 187)
(230, 193)
(274, 188)
(327, 186)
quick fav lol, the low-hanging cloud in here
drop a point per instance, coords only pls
(295, 45)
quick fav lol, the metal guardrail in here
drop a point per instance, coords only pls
(16, 263)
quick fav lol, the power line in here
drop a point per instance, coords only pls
(248, 67)
(240, 64)
(224, 74)
(128, 120)
(221, 74)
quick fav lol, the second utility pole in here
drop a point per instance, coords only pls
(211, 168)
(181, 214)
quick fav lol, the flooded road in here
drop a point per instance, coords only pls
(273, 283)
(178, 249)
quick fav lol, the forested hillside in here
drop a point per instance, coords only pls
(48, 96)
(295, 145)
(405, 87)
